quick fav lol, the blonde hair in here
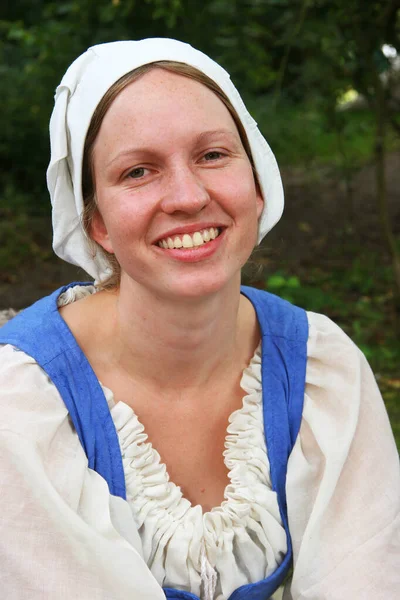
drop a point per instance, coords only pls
(88, 188)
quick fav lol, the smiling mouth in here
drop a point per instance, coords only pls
(190, 240)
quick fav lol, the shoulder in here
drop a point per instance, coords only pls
(339, 381)
(30, 404)
(278, 317)
(37, 439)
(42, 314)
(330, 349)
(342, 398)
(345, 453)
(327, 346)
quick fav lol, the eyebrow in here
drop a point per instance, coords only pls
(208, 134)
(202, 137)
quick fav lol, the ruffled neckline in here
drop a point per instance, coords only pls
(250, 503)
(243, 426)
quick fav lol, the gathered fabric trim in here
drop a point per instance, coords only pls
(242, 540)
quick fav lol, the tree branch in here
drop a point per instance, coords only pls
(285, 59)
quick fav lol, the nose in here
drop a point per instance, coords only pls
(185, 192)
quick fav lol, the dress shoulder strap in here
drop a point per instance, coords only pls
(284, 331)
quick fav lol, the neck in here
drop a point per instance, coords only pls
(180, 344)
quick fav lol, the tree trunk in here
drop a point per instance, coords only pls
(381, 188)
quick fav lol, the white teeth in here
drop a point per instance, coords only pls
(187, 241)
(198, 238)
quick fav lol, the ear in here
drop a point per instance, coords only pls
(99, 233)
(259, 200)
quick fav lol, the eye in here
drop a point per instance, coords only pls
(213, 155)
(137, 173)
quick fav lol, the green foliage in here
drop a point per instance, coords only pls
(289, 287)
(301, 134)
(18, 246)
(21, 233)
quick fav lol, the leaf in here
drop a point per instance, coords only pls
(303, 226)
(276, 282)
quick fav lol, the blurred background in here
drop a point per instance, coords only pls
(322, 79)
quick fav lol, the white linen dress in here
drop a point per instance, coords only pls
(63, 536)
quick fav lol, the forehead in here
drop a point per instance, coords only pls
(163, 99)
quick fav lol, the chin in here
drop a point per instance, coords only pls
(181, 287)
(202, 285)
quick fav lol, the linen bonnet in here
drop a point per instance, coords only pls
(80, 91)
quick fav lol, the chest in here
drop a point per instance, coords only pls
(189, 436)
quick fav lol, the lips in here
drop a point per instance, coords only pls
(190, 240)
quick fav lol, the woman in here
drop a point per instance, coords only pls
(134, 459)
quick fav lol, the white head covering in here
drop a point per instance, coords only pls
(80, 91)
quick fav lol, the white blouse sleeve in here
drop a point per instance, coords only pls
(62, 536)
(343, 484)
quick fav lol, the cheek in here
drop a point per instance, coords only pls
(248, 197)
(125, 217)
(238, 188)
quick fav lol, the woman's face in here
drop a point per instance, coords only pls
(170, 174)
